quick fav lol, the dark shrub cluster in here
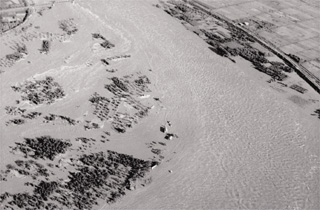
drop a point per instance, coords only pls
(156, 151)
(68, 26)
(117, 57)
(102, 175)
(40, 91)
(28, 202)
(14, 56)
(317, 112)
(105, 176)
(111, 70)
(100, 104)
(84, 140)
(98, 36)
(54, 117)
(129, 84)
(10, 59)
(31, 115)
(122, 121)
(17, 121)
(23, 200)
(29, 168)
(107, 45)
(91, 125)
(13, 110)
(120, 84)
(45, 47)
(124, 89)
(44, 147)
(281, 66)
(104, 62)
(272, 71)
(142, 83)
(21, 48)
(45, 189)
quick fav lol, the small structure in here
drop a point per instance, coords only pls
(20, 16)
(163, 129)
(169, 136)
(298, 88)
(11, 18)
(154, 164)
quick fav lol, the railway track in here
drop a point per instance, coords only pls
(304, 73)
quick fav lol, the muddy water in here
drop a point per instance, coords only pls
(240, 144)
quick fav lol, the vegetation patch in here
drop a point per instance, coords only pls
(45, 48)
(100, 104)
(44, 147)
(317, 113)
(68, 26)
(40, 91)
(28, 168)
(17, 121)
(105, 43)
(98, 176)
(64, 119)
(13, 110)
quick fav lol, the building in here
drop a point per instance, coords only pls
(10, 18)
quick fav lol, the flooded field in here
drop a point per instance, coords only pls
(239, 142)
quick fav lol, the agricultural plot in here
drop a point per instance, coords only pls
(294, 25)
(6, 4)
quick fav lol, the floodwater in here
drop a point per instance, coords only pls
(241, 145)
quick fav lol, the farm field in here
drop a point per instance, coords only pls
(293, 25)
(6, 4)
